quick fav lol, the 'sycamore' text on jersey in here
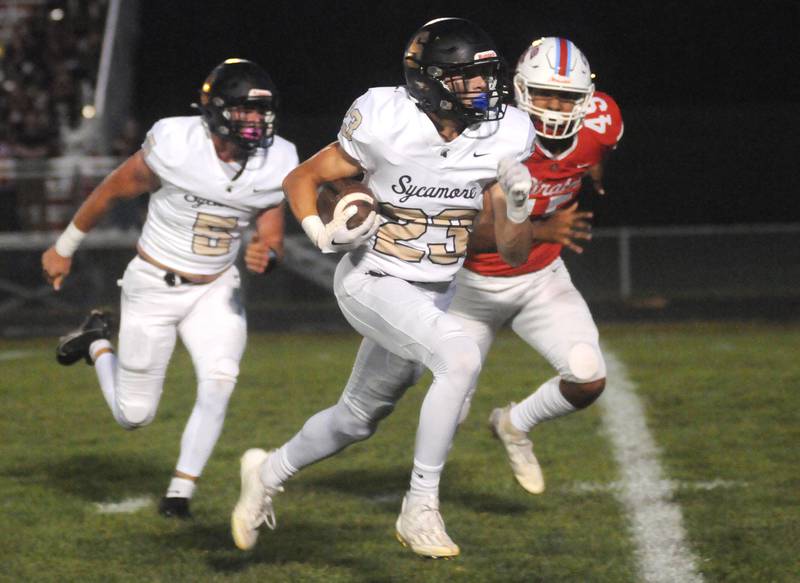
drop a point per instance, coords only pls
(196, 219)
(559, 182)
(429, 190)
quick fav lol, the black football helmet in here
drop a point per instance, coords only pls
(438, 61)
(238, 83)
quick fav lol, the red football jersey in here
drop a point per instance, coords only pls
(559, 181)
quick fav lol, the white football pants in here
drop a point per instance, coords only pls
(544, 308)
(211, 322)
(404, 326)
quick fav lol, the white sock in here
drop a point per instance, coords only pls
(98, 345)
(181, 488)
(277, 469)
(545, 403)
(105, 366)
(424, 481)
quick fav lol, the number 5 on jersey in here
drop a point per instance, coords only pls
(212, 234)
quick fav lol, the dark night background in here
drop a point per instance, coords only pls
(709, 91)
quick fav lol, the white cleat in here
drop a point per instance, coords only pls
(420, 527)
(519, 449)
(254, 507)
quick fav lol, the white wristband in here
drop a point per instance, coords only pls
(69, 240)
(312, 225)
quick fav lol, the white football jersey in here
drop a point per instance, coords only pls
(196, 219)
(429, 190)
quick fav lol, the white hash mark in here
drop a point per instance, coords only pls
(15, 354)
(127, 506)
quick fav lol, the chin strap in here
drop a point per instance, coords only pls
(239, 172)
(244, 164)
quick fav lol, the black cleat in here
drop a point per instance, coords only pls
(75, 345)
(174, 508)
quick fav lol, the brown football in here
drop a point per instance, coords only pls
(330, 193)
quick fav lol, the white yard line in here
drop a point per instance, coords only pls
(127, 506)
(15, 354)
(656, 521)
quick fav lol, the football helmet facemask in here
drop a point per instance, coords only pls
(554, 65)
(442, 60)
(230, 96)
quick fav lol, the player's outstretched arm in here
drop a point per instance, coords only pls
(301, 187)
(566, 226)
(130, 179)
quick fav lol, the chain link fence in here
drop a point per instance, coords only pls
(698, 271)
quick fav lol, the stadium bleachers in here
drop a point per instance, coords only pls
(50, 57)
(49, 60)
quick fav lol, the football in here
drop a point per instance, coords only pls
(330, 193)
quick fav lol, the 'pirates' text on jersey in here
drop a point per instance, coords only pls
(429, 190)
(195, 220)
(559, 181)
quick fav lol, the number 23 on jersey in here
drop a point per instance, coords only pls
(409, 224)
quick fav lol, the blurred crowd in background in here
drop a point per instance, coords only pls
(50, 53)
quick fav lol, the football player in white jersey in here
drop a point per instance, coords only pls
(428, 151)
(576, 129)
(210, 177)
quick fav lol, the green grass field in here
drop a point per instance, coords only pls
(721, 403)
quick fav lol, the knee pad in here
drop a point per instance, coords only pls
(134, 415)
(459, 357)
(348, 422)
(585, 363)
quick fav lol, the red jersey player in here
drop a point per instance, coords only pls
(576, 128)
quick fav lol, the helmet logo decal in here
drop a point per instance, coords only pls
(484, 55)
(532, 51)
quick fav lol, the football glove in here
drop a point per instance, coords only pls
(335, 237)
(516, 182)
